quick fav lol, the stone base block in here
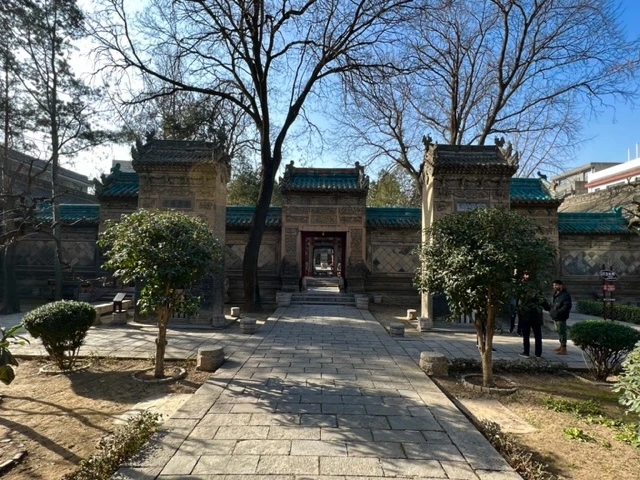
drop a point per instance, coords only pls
(412, 314)
(248, 325)
(235, 311)
(117, 318)
(218, 321)
(424, 324)
(377, 299)
(434, 363)
(209, 360)
(396, 329)
(362, 301)
(283, 299)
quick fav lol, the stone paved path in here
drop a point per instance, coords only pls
(319, 393)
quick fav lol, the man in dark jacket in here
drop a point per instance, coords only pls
(559, 310)
(530, 316)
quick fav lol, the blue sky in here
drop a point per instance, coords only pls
(613, 131)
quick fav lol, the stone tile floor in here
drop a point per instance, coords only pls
(319, 393)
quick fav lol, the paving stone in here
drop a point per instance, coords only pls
(394, 467)
(362, 421)
(180, 464)
(319, 448)
(274, 419)
(294, 433)
(218, 464)
(413, 423)
(386, 410)
(197, 447)
(128, 473)
(347, 434)
(350, 466)
(321, 399)
(262, 447)
(375, 449)
(232, 432)
(340, 408)
(458, 470)
(432, 451)
(497, 475)
(402, 436)
(226, 419)
(299, 408)
(362, 399)
(319, 420)
(280, 464)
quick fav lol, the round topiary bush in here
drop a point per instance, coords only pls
(605, 344)
(629, 382)
(62, 327)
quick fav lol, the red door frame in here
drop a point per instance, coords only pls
(307, 271)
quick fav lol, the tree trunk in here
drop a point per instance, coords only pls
(161, 342)
(487, 361)
(10, 299)
(250, 261)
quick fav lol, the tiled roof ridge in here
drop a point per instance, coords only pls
(611, 222)
(351, 180)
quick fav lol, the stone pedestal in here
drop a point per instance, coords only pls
(119, 318)
(235, 311)
(362, 301)
(412, 314)
(434, 364)
(425, 324)
(248, 325)
(396, 329)
(283, 299)
(377, 299)
(218, 321)
(209, 360)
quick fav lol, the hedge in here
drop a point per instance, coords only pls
(623, 313)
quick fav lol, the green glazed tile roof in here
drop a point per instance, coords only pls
(592, 222)
(72, 213)
(529, 190)
(395, 217)
(125, 185)
(240, 216)
(325, 179)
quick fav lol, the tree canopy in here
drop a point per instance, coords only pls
(393, 188)
(480, 260)
(166, 253)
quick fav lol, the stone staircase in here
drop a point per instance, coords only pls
(322, 284)
(322, 298)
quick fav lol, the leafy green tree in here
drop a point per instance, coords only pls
(393, 189)
(481, 259)
(167, 253)
(244, 186)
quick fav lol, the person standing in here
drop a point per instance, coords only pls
(530, 318)
(559, 310)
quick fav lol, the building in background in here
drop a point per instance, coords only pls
(573, 181)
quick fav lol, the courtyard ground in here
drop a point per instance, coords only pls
(596, 456)
(314, 383)
(60, 419)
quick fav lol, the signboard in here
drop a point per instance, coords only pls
(608, 275)
(608, 299)
(609, 288)
(468, 206)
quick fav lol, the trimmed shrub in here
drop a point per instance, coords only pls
(629, 382)
(605, 344)
(622, 313)
(62, 327)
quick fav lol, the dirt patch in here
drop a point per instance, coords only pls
(603, 459)
(61, 418)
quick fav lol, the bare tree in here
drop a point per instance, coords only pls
(265, 57)
(527, 70)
